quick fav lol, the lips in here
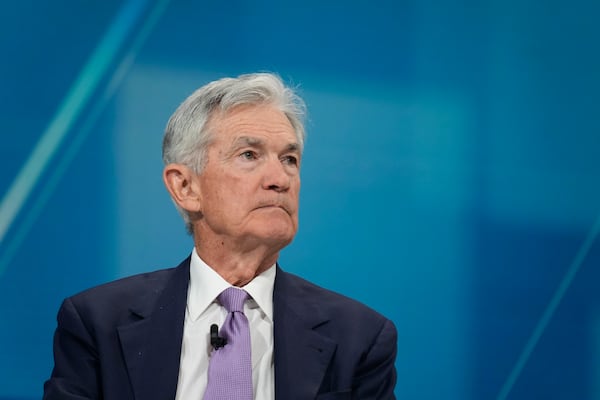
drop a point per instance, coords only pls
(284, 207)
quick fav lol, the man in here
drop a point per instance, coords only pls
(232, 154)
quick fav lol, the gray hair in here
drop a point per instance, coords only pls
(187, 136)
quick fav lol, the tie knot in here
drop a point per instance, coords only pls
(233, 299)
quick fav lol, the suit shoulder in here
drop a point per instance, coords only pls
(137, 293)
(336, 303)
(130, 285)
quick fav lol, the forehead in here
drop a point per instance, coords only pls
(254, 120)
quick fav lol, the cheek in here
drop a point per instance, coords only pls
(233, 197)
(295, 193)
(221, 190)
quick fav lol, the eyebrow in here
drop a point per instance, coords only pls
(257, 142)
(293, 147)
(248, 141)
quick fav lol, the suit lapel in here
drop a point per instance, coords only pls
(152, 345)
(301, 353)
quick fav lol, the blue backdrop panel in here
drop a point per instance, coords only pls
(450, 177)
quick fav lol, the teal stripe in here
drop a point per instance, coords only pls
(565, 283)
(78, 96)
(81, 92)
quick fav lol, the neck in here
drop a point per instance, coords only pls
(238, 267)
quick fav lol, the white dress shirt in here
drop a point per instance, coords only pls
(203, 310)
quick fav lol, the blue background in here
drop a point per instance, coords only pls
(450, 179)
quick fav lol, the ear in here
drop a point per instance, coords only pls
(182, 184)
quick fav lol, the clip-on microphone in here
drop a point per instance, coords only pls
(215, 340)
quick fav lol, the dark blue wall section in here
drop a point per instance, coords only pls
(450, 178)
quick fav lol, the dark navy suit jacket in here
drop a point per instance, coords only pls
(122, 340)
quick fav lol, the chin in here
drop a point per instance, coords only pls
(280, 237)
(277, 237)
(276, 229)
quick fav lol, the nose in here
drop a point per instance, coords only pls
(275, 176)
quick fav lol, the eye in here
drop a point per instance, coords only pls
(290, 160)
(249, 155)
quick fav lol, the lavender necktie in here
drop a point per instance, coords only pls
(230, 367)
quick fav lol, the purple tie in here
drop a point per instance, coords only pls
(230, 367)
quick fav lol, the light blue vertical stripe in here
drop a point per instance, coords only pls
(126, 16)
(546, 317)
(77, 98)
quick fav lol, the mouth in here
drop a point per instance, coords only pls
(273, 206)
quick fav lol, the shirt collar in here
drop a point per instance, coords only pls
(206, 284)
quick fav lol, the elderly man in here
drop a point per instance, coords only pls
(232, 155)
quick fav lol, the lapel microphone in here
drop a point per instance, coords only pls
(216, 341)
